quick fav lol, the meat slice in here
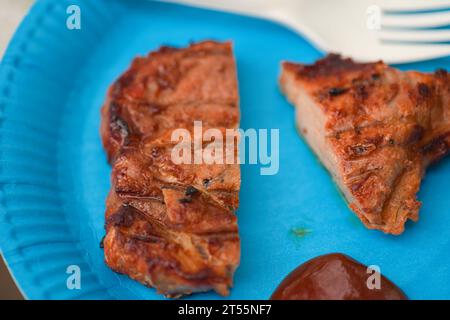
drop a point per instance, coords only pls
(172, 226)
(375, 129)
(168, 89)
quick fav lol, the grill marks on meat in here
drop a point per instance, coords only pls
(172, 226)
(169, 89)
(375, 128)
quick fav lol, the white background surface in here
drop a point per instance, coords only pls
(11, 13)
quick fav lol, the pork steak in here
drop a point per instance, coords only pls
(375, 129)
(172, 226)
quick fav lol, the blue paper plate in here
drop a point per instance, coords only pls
(54, 177)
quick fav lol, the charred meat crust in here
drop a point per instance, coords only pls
(200, 74)
(332, 64)
(172, 226)
(375, 128)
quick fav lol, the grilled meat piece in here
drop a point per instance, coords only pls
(168, 89)
(375, 129)
(172, 226)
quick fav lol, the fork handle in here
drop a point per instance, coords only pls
(255, 8)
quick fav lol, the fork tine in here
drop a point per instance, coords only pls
(414, 5)
(397, 53)
(415, 35)
(394, 53)
(419, 20)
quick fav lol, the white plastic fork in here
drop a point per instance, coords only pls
(396, 31)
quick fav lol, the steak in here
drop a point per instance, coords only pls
(375, 129)
(172, 226)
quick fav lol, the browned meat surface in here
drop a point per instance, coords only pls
(375, 129)
(172, 226)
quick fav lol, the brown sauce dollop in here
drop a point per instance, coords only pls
(334, 277)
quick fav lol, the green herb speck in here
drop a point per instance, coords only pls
(300, 232)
